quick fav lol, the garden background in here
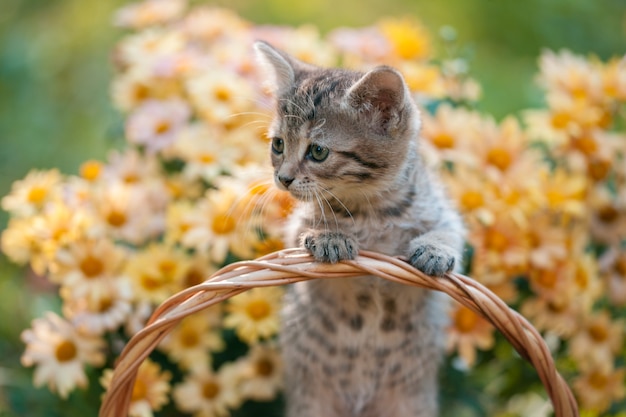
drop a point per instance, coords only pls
(55, 109)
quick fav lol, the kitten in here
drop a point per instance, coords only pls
(344, 144)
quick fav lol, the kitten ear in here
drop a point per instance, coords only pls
(278, 65)
(379, 95)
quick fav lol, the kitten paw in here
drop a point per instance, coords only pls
(330, 247)
(431, 259)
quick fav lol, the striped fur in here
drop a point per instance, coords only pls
(345, 145)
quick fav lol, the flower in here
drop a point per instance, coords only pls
(83, 265)
(151, 389)
(467, 332)
(190, 343)
(254, 314)
(219, 95)
(408, 37)
(99, 312)
(60, 353)
(29, 195)
(597, 342)
(261, 373)
(155, 124)
(207, 394)
(149, 12)
(157, 272)
(597, 388)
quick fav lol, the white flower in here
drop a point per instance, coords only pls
(60, 352)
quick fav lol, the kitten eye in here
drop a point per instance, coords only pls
(318, 153)
(278, 146)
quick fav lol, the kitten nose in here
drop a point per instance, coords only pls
(285, 181)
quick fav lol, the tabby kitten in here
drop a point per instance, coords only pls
(344, 144)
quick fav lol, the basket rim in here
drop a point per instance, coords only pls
(293, 265)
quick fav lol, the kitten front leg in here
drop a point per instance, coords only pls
(330, 247)
(434, 253)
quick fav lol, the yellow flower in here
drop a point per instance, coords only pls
(467, 332)
(261, 373)
(60, 353)
(157, 272)
(596, 389)
(565, 194)
(614, 79)
(254, 314)
(409, 38)
(559, 316)
(31, 194)
(189, 344)
(150, 392)
(597, 342)
(207, 394)
(219, 95)
(85, 264)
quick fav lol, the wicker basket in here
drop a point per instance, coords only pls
(294, 265)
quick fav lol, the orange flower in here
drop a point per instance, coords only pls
(597, 341)
(597, 389)
(467, 332)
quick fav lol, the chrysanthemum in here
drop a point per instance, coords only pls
(128, 211)
(149, 12)
(219, 95)
(303, 43)
(205, 393)
(150, 392)
(157, 272)
(156, 124)
(85, 264)
(559, 316)
(143, 49)
(408, 37)
(18, 241)
(98, 312)
(596, 388)
(190, 343)
(570, 74)
(467, 332)
(608, 216)
(597, 342)
(207, 24)
(60, 352)
(220, 225)
(614, 79)
(205, 154)
(261, 373)
(29, 195)
(254, 314)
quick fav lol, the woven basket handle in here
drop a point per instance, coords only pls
(293, 265)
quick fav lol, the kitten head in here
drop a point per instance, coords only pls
(337, 133)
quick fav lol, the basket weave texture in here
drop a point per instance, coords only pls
(293, 265)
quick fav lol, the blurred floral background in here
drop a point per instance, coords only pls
(115, 197)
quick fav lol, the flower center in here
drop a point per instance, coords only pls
(116, 218)
(207, 158)
(65, 351)
(443, 141)
(471, 200)
(91, 170)
(139, 390)
(210, 390)
(496, 241)
(162, 127)
(37, 195)
(547, 279)
(598, 381)
(258, 309)
(189, 338)
(222, 94)
(264, 367)
(598, 333)
(91, 266)
(465, 320)
(500, 158)
(223, 224)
